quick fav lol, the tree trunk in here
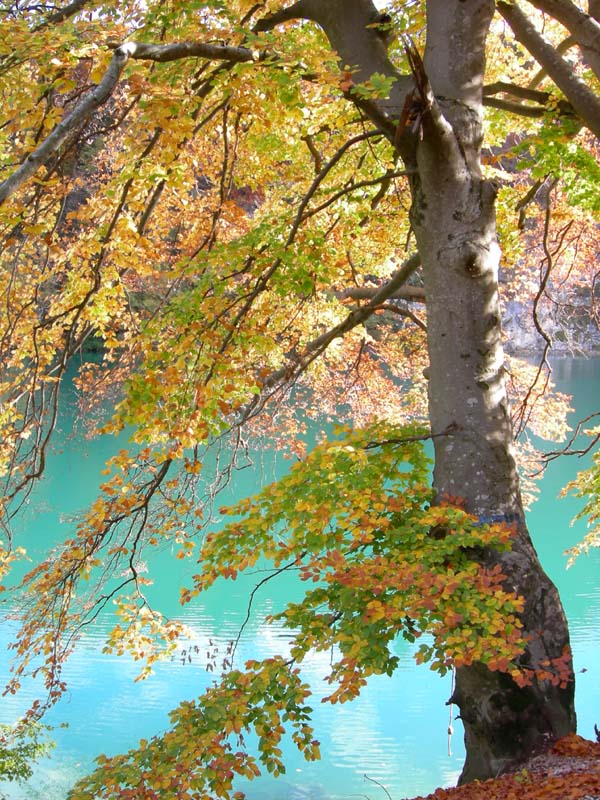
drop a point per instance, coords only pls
(453, 216)
(453, 219)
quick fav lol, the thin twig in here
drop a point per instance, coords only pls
(381, 786)
(261, 583)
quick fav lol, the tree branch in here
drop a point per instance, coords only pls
(525, 93)
(356, 317)
(313, 349)
(514, 108)
(351, 28)
(569, 449)
(67, 126)
(352, 188)
(582, 98)
(583, 27)
(414, 293)
(173, 52)
(562, 48)
(74, 122)
(404, 312)
(62, 14)
(299, 10)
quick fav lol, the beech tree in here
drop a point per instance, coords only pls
(259, 212)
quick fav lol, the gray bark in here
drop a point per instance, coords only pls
(583, 27)
(454, 220)
(350, 26)
(581, 97)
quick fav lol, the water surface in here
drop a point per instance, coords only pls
(393, 736)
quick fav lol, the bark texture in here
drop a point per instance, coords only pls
(453, 218)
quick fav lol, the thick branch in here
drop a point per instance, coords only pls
(356, 317)
(583, 100)
(412, 293)
(524, 93)
(75, 121)
(178, 50)
(67, 126)
(514, 108)
(404, 312)
(583, 27)
(299, 10)
(351, 28)
(62, 14)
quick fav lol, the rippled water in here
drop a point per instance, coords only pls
(393, 736)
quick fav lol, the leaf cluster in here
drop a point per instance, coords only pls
(21, 745)
(205, 748)
(358, 520)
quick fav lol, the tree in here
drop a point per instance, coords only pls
(203, 188)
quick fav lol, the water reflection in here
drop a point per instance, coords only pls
(395, 734)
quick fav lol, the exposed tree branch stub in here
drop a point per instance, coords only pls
(529, 196)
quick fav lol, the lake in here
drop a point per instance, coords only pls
(392, 739)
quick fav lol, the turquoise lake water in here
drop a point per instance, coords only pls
(393, 736)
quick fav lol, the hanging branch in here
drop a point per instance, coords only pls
(568, 449)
